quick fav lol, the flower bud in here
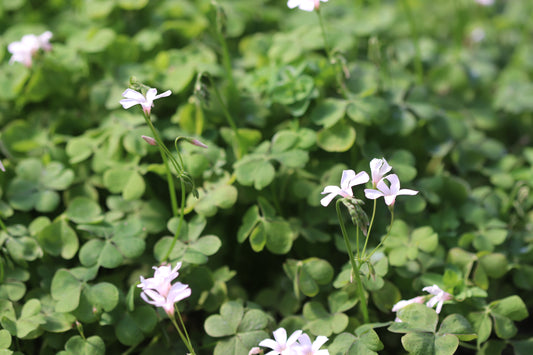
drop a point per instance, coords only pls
(149, 140)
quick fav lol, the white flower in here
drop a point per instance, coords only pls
(485, 2)
(388, 193)
(281, 345)
(44, 41)
(24, 50)
(133, 98)
(378, 168)
(176, 293)
(439, 296)
(159, 291)
(307, 348)
(306, 5)
(2, 166)
(348, 180)
(403, 303)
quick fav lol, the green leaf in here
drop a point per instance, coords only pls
(227, 322)
(258, 238)
(255, 171)
(103, 295)
(58, 238)
(328, 112)
(458, 325)
(65, 290)
(249, 221)
(419, 343)
(279, 236)
(420, 317)
(495, 264)
(84, 210)
(338, 138)
(368, 110)
(512, 307)
(5, 339)
(93, 345)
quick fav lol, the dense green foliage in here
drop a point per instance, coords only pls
(442, 90)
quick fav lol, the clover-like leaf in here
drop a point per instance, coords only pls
(244, 326)
(321, 322)
(93, 345)
(58, 238)
(133, 327)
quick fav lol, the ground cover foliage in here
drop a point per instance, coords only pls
(441, 90)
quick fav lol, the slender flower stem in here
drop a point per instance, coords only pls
(324, 36)
(369, 229)
(355, 267)
(386, 236)
(414, 32)
(180, 223)
(170, 179)
(166, 155)
(184, 338)
(338, 68)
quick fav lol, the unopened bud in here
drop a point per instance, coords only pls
(2, 166)
(149, 140)
(197, 143)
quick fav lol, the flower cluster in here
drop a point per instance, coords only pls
(306, 5)
(159, 291)
(24, 50)
(378, 169)
(439, 297)
(298, 343)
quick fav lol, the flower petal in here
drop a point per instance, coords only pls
(319, 341)
(372, 194)
(347, 177)
(133, 95)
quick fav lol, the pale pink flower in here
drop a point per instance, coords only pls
(24, 50)
(44, 41)
(306, 5)
(2, 166)
(163, 277)
(378, 169)
(255, 350)
(133, 98)
(348, 180)
(307, 348)
(388, 193)
(485, 2)
(281, 345)
(176, 293)
(439, 296)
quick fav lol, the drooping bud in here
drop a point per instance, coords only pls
(149, 140)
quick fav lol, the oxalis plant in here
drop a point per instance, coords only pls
(169, 169)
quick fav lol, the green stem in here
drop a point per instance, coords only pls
(414, 32)
(386, 236)
(338, 67)
(184, 338)
(180, 223)
(355, 268)
(369, 229)
(170, 179)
